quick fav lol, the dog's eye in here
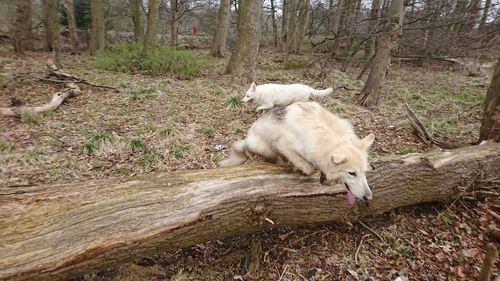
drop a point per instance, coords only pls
(352, 174)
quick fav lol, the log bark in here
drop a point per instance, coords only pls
(62, 231)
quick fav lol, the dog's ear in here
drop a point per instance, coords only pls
(338, 159)
(253, 87)
(367, 141)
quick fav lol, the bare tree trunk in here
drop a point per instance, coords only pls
(484, 18)
(98, 34)
(336, 17)
(275, 26)
(490, 125)
(22, 27)
(473, 15)
(303, 25)
(63, 231)
(173, 23)
(243, 60)
(369, 96)
(50, 13)
(341, 43)
(291, 26)
(458, 15)
(52, 32)
(372, 26)
(136, 6)
(284, 25)
(220, 36)
(150, 38)
(72, 24)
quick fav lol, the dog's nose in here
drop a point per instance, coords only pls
(368, 198)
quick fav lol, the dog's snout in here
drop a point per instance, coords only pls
(368, 197)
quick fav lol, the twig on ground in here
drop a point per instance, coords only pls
(489, 262)
(358, 248)
(373, 231)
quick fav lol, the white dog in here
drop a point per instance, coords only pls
(311, 138)
(269, 95)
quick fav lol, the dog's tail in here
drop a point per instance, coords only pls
(237, 155)
(322, 93)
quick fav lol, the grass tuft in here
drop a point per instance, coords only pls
(235, 102)
(159, 60)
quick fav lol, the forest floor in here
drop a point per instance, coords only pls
(161, 123)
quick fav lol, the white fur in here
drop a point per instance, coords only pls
(312, 139)
(267, 96)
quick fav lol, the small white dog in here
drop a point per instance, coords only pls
(269, 95)
(311, 138)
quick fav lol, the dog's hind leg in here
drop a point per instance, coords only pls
(258, 146)
(298, 161)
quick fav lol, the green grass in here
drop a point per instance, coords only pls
(207, 131)
(406, 251)
(235, 102)
(142, 94)
(7, 147)
(159, 60)
(150, 158)
(95, 139)
(137, 145)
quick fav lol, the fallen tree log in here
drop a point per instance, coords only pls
(58, 98)
(58, 232)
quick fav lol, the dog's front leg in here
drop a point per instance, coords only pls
(264, 107)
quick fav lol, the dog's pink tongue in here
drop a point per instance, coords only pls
(350, 198)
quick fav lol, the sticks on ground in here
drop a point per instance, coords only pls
(489, 262)
(71, 90)
(63, 77)
(422, 132)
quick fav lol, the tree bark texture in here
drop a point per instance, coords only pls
(291, 25)
(341, 43)
(302, 25)
(70, 11)
(50, 23)
(243, 60)
(275, 26)
(173, 22)
(490, 125)
(98, 33)
(150, 38)
(387, 43)
(220, 36)
(136, 7)
(484, 17)
(63, 231)
(22, 27)
(372, 27)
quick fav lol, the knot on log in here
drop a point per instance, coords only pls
(260, 214)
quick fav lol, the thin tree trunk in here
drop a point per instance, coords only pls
(458, 15)
(490, 125)
(372, 26)
(484, 17)
(275, 26)
(50, 13)
(284, 25)
(136, 7)
(303, 24)
(473, 15)
(98, 34)
(22, 27)
(173, 23)
(64, 231)
(341, 44)
(220, 36)
(387, 43)
(72, 24)
(243, 60)
(150, 38)
(336, 17)
(291, 26)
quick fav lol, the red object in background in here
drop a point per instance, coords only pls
(194, 30)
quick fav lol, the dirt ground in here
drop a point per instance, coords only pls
(160, 123)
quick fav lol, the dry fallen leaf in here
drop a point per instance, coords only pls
(471, 253)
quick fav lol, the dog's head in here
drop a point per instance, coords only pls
(349, 165)
(250, 95)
